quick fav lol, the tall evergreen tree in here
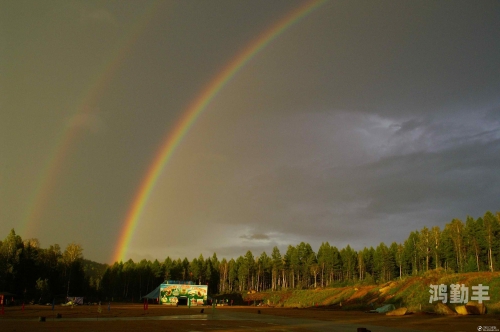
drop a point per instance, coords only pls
(455, 232)
(277, 268)
(474, 240)
(491, 233)
(349, 258)
(233, 275)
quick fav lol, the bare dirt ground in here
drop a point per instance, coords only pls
(133, 317)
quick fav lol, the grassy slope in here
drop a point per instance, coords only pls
(410, 292)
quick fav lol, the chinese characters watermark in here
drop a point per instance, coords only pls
(458, 293)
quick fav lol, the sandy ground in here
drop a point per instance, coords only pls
(133, 317)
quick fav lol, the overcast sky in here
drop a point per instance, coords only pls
(360, 123)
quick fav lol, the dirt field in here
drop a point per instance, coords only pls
(126, 317)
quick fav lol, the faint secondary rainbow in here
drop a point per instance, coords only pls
(89, 98)
(189, 116)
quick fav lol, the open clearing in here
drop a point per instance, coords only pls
(129, 317)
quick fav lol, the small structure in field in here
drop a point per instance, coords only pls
(175, 292)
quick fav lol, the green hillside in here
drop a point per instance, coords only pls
(410, 292)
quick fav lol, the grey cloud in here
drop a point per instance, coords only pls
(493, 115)
(255, 236)
(229, 252)
(409, 125)
(457, 180)
(393, 195)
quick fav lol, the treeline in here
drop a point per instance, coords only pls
(459, 247)
(41, 275)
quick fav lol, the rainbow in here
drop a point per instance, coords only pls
(189, 116)
(90, 96)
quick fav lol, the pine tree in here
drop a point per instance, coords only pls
(277, 268)
(474, 238)
(491, 232)
(349, 257)
(411, 251)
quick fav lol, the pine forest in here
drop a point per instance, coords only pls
(40, 275)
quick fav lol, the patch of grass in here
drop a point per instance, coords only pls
(308, 298)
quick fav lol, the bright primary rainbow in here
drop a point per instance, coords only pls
(188, 118)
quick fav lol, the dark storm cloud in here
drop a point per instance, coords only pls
(456, 179)
(411, 58)
(431, 172)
